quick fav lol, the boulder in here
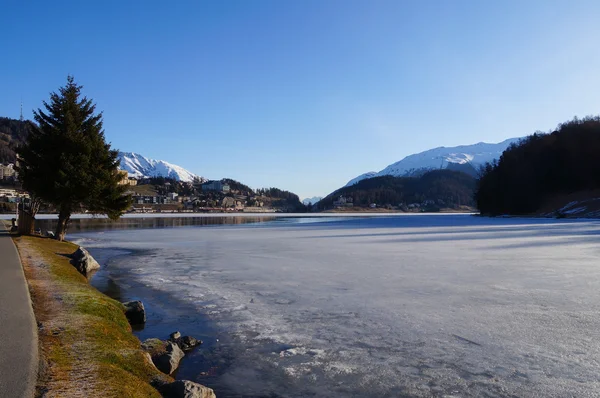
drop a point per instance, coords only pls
(168, 361)
(186, 343)
(135, 312)
(186, 389)
(174, 336)
(83, 261)
(154, 347)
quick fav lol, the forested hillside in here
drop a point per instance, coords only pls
(12, 133)
(542, 167)
(281, 198)
(435, 189)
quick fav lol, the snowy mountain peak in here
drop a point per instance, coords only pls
(311, 201)
(466, 158)
(140, 166)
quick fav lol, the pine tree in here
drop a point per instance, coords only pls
(66, 161)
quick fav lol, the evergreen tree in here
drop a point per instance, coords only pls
(66, 161)
(541, 168)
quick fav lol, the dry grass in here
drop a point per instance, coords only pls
(146, 189)
(86, 345)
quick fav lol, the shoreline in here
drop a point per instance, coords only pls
(81, 216)
(85, 340)
(165, 314)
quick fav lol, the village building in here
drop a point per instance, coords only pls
(7, 171)
(343, 202)
(215, 186)
(124, 177)
(126, 180)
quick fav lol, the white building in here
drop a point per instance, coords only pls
(217, 186)
(342, 201)
(7, 171)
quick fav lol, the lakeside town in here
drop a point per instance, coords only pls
(168, 195)
(164, 195)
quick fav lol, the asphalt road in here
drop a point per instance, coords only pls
(18, 332)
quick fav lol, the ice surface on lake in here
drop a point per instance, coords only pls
(400, 306)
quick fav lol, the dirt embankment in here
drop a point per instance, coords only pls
(86, 345)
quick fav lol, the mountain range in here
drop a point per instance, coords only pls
(311, 201)
(140, 166)
(466, 158)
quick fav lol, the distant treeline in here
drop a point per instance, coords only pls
(238, 186)
(281, 198)
(278, 193)
(12, 133)
(540, 167)
(438, 188)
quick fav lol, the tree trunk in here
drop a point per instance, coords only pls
(25, 221)
(63, 220)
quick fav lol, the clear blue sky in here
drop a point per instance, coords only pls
(305, 95)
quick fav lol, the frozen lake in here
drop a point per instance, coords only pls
(448, 306)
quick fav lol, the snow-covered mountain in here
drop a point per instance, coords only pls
(361, 177)
(311, 201)
(140, 166)
(464, 157)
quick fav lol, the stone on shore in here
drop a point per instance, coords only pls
(186, 343)
(168, 361)
(186, 389)
(154, 346)
(83, 261)
(135, 312)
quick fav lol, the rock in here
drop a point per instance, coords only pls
(186, 389)
(135, 312)
(174, 336)
(186, 343)
(154, 347)
(169, 360)
(83, 261)
(148, 359)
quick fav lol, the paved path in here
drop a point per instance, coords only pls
(18, 330)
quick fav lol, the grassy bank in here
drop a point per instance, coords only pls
(86, 345)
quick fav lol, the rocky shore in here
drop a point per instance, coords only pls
(165, 356)
(86, 338)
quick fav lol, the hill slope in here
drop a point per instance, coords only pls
(465, 158)
(435, 189)
(12, 133)
(542, 169)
